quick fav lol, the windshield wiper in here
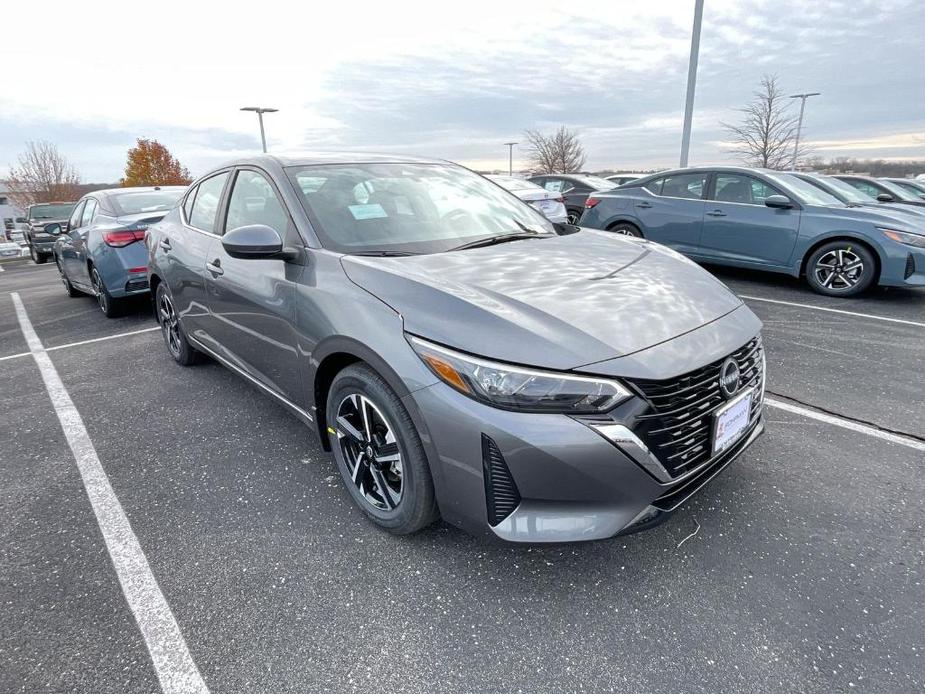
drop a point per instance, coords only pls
(500, 238)
(384, 254)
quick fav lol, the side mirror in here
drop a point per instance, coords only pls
(53, 228)
(780, 202)
(884, 197)
(253, 241)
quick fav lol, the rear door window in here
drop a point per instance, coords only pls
(74, 221)
(88, 213)
(690, 186)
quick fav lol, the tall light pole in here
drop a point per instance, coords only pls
(510, 157)
(691, 82)
(260, 111)
(796, 144)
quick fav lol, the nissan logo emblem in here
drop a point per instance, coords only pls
(729, 377)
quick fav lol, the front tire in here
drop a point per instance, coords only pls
(37, 257)
(841, 268)
(174, 338)
(574, 216)
(378, 452)
(68, 287)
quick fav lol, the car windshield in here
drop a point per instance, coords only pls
(51, 211)
(145, 201)
(911, 188)
(845, 191)
(596, 182)
(407, 208)
(806, 192)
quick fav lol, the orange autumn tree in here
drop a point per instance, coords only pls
(151, 164)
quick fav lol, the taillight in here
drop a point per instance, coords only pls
(118, 239)
(591, 202)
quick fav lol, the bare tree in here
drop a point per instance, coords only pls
(560, 152)
(43, 174)
(768, 130)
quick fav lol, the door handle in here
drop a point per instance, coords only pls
(215, 267)
(716, 213)
(644, 205)
(165, 244)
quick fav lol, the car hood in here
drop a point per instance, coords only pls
(875, 215)
(558, 303)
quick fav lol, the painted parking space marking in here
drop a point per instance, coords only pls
(909, 442)
(84, 342)
(172, 661)
(834, 310)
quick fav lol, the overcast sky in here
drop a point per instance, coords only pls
(450, 79)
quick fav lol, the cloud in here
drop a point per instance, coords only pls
(453, 80)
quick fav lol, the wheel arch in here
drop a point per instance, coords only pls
(624, 220)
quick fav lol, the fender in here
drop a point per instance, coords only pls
(801, 251)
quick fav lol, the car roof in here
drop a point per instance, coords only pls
(320, 158)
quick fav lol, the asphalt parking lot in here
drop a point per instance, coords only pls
(801, 568)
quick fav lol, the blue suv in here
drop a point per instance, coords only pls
(766, 220)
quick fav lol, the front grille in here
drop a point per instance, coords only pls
(910, 266)
(501, 493)
(678, 427)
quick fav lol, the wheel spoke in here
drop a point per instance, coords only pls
(388, 453)
(385, 491)
(358, 469)
(350, 430)
(367, 418)
(828, 280)
(856, 265)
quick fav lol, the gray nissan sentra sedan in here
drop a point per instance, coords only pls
(460, 355)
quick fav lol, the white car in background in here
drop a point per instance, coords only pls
(621, 178)
(10, 249)
(550, 204)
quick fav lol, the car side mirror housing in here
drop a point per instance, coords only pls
(884, 197)
(253, 241)
(53, 228)
(781, 202)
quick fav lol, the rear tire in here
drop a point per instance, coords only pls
(68, 287)
(841, 268)
(574, 216)
(626, 229)
(174, 338)
(111, 308)
(382, 448)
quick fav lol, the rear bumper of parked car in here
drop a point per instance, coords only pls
(124, 270)
(545, 477)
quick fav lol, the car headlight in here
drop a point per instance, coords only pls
(917, 240)
(518, 388)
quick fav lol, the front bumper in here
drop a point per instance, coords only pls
(903, 266)
(44, 245)
(572, 483)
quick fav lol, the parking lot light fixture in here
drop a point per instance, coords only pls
(796, 143)
(259, 110)
(510, 157)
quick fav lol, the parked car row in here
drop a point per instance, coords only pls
(773, 221)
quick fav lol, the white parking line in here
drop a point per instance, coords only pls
(173, 663)
(83, 342)
(834, 310)
(847, 424)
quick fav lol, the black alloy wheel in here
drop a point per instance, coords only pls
(179, 347)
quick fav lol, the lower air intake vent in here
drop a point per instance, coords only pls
(500, 491)
(910, 266)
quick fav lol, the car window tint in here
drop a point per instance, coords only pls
(655, 186)
(188, 204)
(205, 206)
(865, 187)
(253, 201)
(744, 190)
(684, 186)
(88, 213)
(74, 221)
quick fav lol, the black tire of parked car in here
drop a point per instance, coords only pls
(37, 257)
(417, 506)
(172, 331)
(68, 287)
(111, 308)
(840, 256)
(626, 229)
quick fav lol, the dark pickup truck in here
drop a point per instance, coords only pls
(41, 244)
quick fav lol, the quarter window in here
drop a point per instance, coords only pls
(554, 185)
(253, 201)
(205, 206)
(88, 213)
